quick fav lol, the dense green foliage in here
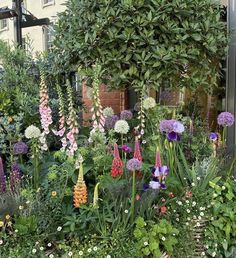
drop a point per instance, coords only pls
(152, 42)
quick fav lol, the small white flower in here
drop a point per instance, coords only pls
(197, 240)
(34, 251)
(144, 142)
(1, 241)
(108, 111)
(213, 254)
(187, 223)
(70, 254)
(188, 211)
(108, 256)
(89, 250)
(185, 178)
(41, 248)
(223, 187)
(59, 228)
(174, 211)
(121, 126)
(95, 249)
(193, 184)
(81, 253)
(199, 217)
(180, 203)
(216, 245)
(194, 204)
(202, 208)
(174, 234)
(203, 253)
(149, 103)
(212, 218)
(188, 219)
(202, 214)
(177, 219)
(49, 244)
(163, 238)
(198, 224)
(16, 230)
(21, 207)
(32, 132)
(27, 202)
(187, 201)
(215, 195)
(194, 217)
(198, 178)
(126, 211)
(145, 243)
(51, 256)
(37, 242)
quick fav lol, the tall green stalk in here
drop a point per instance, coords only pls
(35, 166)
(133, 196)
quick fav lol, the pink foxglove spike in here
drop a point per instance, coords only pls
(116, 151)
(137, 151)
(158, 158)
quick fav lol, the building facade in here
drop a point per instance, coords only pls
(38, 38)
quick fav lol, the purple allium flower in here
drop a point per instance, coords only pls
(172, 136)
(225, 119)
(15, 177)
(126, 148)
(154, 185)
(20, 148)
(167, 126)
(134, 165)
(3, 184)
(110, 121)
(178, 127)
(126, 115)
(213, 136)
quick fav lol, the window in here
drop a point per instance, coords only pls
(48, 35)
(48, 2)
(3, 25)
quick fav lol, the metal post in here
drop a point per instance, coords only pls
(231, 71)
(18, 19)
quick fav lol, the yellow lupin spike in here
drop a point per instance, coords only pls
(95, 197)
(80, 189)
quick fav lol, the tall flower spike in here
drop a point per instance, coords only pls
(137, 151)
(71, 122)
(95, 197)
(80, 189)
(62, 128)
(117, 164)
(141, 113)
(158, 158)
(15, 177)
(3, 185)
(44, 109)
(97, 111)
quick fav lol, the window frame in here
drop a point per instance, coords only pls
(52, 2)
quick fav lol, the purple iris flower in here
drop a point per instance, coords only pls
(172, 136)
(126, 148)
(145, 187)
(213, 136)
(164, 170)
(156, 172)
(163, 186)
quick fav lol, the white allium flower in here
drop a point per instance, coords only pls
(34, 251)
(32, 132)
(95, 249)
(89, 250)
(149, 103)
(70, 254)
(81, 253)
(163, 238)
(145, 243)
(108, 111)
(121, 126)
(59, 228)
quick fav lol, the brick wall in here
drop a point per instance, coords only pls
(116, 99)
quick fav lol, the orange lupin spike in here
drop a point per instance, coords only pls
(80, 189)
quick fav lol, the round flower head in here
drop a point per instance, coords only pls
(126, 115)
(178, 127)
(20, 148)
(121, 127)
(134, 165)
(110, 121)
(126, 148)
(149, 103)
(108, 111)
(172, 136)
(213, 137)
(32, 132)
(225, 119)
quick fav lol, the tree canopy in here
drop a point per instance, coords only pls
(153, 42)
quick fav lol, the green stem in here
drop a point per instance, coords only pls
(35, 167)
(223, 137)
(133, 197)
